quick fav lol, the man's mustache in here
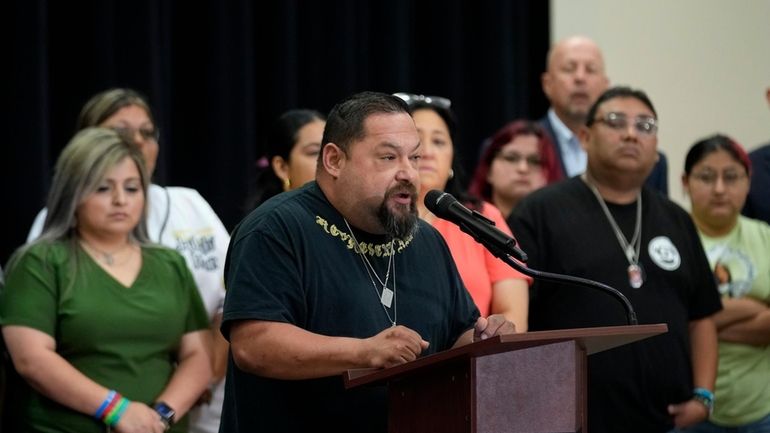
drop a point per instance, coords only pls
(408, 188)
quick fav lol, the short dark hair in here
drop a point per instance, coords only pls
(709, 145)
(619, 92)
(345, 123)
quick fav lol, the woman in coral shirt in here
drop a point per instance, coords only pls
(495, 287)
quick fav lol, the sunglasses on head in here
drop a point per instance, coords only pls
(411, 99)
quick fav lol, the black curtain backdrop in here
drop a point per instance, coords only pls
(217, 75)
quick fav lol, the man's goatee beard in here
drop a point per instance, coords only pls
(398, 227)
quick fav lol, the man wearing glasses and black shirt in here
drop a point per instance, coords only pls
(608, 226)
(573, 79)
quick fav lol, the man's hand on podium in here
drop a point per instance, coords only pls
(394, 346)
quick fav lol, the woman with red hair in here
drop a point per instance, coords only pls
(518, 160)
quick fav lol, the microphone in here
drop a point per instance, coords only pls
(483, 230)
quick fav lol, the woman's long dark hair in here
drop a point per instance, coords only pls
(281, 140)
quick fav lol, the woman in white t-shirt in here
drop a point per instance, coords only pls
(177, 217)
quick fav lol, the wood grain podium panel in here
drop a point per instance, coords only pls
(534, 390)
(533, 382)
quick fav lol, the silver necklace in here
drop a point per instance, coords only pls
(631, 249)
(387, 297)
(105, 256)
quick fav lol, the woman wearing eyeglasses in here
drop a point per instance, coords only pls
(519, 159)
(716, 178)
(494, 286)
(177, 217)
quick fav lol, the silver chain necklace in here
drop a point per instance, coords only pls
(631, 249)
(387, 297)
(105, 256)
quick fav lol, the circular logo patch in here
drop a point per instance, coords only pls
(663, 252)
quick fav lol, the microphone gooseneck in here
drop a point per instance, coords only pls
(503, 246)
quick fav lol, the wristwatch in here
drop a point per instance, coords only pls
(166, 413)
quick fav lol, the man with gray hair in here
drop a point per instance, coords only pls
(574, 77)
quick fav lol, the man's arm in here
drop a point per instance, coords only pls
(704, 357)
(703, 343)
(284, 351)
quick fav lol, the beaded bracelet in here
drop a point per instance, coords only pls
(705, 397)
(112, 408)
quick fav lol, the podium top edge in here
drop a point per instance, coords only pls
(592, 340)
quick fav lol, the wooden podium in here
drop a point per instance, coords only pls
(530, 382)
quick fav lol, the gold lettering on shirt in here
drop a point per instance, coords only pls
(370, 249)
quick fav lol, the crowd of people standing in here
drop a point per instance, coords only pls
(133, 309)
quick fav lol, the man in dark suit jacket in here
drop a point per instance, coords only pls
(573, 80)
(758, 202)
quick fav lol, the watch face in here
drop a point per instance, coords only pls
(165, 412)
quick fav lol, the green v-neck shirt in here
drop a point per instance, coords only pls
(124, 338)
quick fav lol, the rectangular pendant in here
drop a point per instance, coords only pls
(635, 276)
(387, 297)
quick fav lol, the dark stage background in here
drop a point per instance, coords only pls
(218, 75)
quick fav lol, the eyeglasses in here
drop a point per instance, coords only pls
(729, 178)
(644, 125)
(146, 133)
(411, 99)
(515, 158)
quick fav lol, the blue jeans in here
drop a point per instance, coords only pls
(761, 426)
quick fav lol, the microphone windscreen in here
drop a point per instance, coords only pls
(438, 201)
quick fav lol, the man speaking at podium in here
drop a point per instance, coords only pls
(337, 275)
(607, 227)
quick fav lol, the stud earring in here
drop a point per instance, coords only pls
(286, 184)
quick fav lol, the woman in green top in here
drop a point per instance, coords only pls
(108, 330)
(716, 177)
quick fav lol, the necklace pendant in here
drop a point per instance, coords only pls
(387, 297)
(635, 276)
(108, 259)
